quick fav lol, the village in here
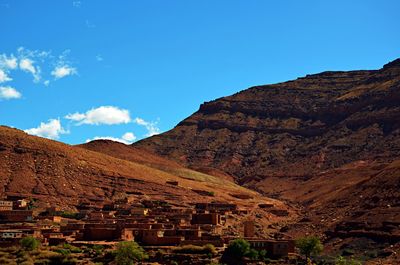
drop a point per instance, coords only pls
(154, 224)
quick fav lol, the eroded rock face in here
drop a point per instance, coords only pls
(296, 128)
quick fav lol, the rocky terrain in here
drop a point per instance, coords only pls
(58, 174)
(296, 128)
(328, 143)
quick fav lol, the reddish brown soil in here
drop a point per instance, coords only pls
(64, 175)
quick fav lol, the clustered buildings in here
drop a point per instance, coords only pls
(148, 222)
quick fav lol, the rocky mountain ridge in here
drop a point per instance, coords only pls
(299, 127)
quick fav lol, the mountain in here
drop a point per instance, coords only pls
(328, 143)
(65, 175)
(295, 128)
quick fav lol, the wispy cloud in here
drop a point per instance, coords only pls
(32, 62)
(8, 62)
(63, 71)
(52, 129)
(108, 115)
(4, 77)
(151, 127)
(27, 66)
(76, 4)
(99, 58)
(7, 92)
(63, 67)
(127, 138)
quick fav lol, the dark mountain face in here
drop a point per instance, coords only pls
(297, 128)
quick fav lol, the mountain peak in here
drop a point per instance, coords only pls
(394, 63)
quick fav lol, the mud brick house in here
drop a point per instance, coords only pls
(100, 231)
(206, 238)
(155, 237)
(274, 248)
(216, 207)
(16, 216)
(71, 229)
(127, 234)
(206, 218)
(6, 205)
(10, 237)
(139, 211)
(155, 203)
(21, 204)
(7, 234)
(95, 216)
(54, 238)
(187, 233)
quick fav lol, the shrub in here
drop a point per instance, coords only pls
(343, 261)
(208, 249)
(129, 252)
(252, 254)
(262, 254)
(63, 251)
(70, 215)
(29, 243)
(309, 246)
(71, 248)
(238, 248)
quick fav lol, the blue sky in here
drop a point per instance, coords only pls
(77, 70)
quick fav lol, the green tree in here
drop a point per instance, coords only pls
(309, 246)
(238, 248)
(129, 252)
(29, 243)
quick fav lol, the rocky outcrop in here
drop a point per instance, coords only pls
(296, 128)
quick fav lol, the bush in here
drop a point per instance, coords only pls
(208, 249)
(63, 251)
(29, 243)
(70, 215)
(238, 248)
(309, 246)
(343, 261)
(129, 252)
(263, 254)
(71, 248)
(252, 254)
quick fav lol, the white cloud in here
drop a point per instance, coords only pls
(52, 129)
(8, 62)
(108, 115)
(151, 127)
(26, 65)
(63, 71)
(33, 61)
(127, 138)
(7, 92)
(4, 77)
